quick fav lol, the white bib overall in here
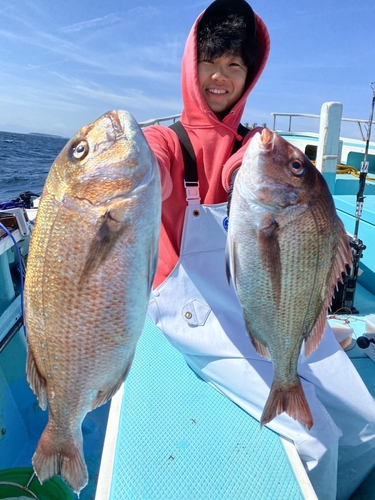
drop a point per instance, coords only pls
(200, 315)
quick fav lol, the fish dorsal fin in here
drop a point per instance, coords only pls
(343, 258)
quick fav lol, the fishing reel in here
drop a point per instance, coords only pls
(345, 291)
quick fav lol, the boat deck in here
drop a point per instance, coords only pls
(347, 184)
(346, 208)
(172, 435)
(365, 366)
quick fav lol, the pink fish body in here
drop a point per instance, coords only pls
(286, 249)
(90, 269)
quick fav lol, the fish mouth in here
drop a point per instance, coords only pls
(123, 124)
(117, 125)
(264, 140)
(118, 118)
(267, 139)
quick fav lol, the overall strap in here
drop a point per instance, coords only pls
(242, 131)
(191, 182)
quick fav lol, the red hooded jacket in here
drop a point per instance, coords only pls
(212, 141)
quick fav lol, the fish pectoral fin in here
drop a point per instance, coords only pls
(35, 380)
(109, 230)
(105, 395)
(269, 250)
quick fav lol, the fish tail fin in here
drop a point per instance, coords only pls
(290, 399)
(54, 456)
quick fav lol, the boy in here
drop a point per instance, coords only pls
(225, 54)
(230, 28)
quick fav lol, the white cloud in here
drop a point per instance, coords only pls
(92, 23)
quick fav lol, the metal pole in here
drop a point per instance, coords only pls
(364, 169)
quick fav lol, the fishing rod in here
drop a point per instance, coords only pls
(356, 244)
(344, 298)
(364, 168)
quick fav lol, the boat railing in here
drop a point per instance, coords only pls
(174, 118)
(360, 122)
(157, 121)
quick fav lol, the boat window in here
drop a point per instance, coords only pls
(310, 152)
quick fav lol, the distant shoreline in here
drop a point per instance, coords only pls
(35, 134)
(46, 135)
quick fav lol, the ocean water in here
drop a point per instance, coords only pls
(25, 160)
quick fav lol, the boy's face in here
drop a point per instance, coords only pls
(222, 82)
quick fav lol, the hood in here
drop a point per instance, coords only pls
(196, 113)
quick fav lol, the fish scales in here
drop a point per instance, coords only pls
(91, 264)
(286, 251)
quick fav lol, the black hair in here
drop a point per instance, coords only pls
(228, 27)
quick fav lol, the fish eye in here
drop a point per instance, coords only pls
(297, 167)
(80, 150)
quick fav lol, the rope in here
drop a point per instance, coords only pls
(347, 169)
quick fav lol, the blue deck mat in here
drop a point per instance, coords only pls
(347, 204)
(181, 439)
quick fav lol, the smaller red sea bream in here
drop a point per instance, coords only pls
(286, 249)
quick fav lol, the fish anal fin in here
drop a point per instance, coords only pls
(290, 399)
(61, 456)
(35, 380)
(109, 230)
(103, 396)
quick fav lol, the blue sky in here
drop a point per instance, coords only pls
(64, 63)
